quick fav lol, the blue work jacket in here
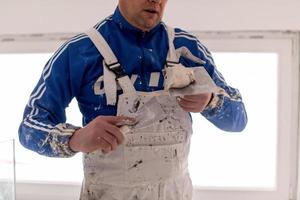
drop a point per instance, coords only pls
(76, 67)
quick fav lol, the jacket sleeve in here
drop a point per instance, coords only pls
(44, 128)
(226, 109)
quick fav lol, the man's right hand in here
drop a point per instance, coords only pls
(101, 133)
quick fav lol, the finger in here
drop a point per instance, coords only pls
(187, 99)
(127, 121)
(190, 107)
(105, 151)
(105, 146)
(198, 97)
(185, 102)
(110, 139)
(116, 132)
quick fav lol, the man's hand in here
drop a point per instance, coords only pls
(101, 133)
(194, 103)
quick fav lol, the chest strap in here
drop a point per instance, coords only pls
(172, 58)
(113, 72)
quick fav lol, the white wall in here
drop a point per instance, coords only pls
(57, 16)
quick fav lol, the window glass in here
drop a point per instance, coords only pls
(7, 172)
(246, 159)
(19, 73)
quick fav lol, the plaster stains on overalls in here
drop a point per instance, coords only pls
(152, 164)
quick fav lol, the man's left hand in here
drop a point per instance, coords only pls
(194, 103)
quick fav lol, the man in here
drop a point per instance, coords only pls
(143, 161)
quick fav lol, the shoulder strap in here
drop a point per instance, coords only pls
(109, 57)
(172, 58)
(102, 46)
(112, 69)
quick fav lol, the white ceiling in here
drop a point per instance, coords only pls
(52, 16)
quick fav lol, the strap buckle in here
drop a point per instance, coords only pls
(171, 63)
(116, 69)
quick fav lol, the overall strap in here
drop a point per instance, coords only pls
(172, 58)
(112, 70)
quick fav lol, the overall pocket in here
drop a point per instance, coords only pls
(148, 164)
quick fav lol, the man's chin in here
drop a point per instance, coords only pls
(151, 25)
(147, 24)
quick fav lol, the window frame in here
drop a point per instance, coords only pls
(286, 44)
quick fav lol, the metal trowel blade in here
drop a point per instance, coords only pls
(149, 113)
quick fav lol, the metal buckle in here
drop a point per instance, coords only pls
(171, 63)
(116, 69)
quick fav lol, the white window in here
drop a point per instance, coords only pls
(248, 159)
(260, 162)
(7, 172)
(17, 82)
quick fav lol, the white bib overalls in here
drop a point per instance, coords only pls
(152, 164)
